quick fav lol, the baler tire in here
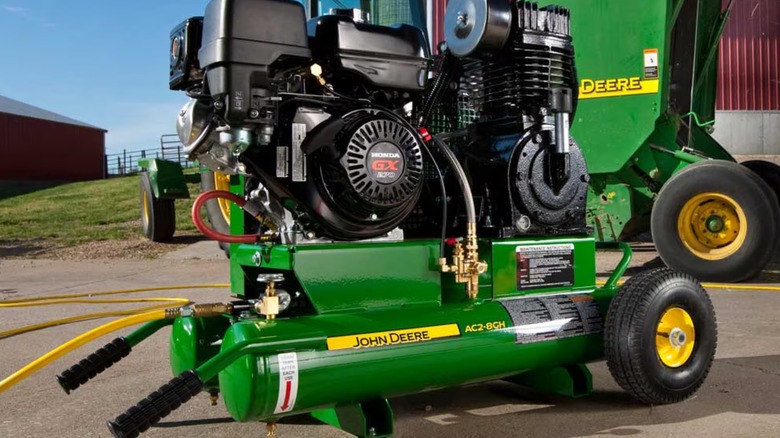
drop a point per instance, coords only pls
(740, 197)
(767, 171)
(218, 218)
(158, 216)
(631, 340)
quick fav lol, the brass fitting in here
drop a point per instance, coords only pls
(465, 263)
(316, 71)
(269, 305)
(199, 310)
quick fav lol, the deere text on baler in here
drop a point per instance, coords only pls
(348, 289)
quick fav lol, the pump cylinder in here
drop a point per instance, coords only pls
(382, 354)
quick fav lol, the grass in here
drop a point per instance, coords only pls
(74, 213)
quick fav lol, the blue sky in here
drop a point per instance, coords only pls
(101, 62)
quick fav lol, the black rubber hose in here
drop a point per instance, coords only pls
(440, 83)
(156, 406)
(94, 364)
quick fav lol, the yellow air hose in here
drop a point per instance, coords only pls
(137, 316)
(76, 299)
(76, 342)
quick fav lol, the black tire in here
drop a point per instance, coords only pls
(213, 210)
(158, 216)
(767, 171)
(753, 246)
(631, 334)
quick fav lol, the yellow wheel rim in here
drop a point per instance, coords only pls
(712, 226)
(222, 182)
(145, 207)
(675, 337)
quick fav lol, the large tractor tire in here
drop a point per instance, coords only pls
(660, 336)
(768, 171)
(158, 216)
(716, 221)
(217, 210)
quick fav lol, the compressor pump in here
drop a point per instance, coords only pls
(375, 250)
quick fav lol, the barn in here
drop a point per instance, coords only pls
(41, 145)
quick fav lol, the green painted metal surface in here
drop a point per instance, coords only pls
(194, 341)
(142, 333)
(250, 384)
(167, 178)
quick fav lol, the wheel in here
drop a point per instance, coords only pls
(660, 336)
(217, 210)
(716, 220)
(767, 171)
(158, 216)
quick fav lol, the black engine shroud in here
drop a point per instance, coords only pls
(316, 114)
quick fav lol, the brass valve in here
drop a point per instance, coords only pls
(465, 263)
(269, 305)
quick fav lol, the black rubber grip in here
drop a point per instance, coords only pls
(159, 404)
(93, 364)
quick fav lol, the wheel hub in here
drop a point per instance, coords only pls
(715, 224)
(675, 337)
(712, 226)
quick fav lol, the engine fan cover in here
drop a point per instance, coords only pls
(383, 162)
(371, 176)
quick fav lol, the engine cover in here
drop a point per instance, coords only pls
(373, 173)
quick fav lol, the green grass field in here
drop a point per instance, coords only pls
(75, 213)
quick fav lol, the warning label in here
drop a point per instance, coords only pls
(544, 266)
(537, 319)
(651, 63)
(288, 382)
(298, 157)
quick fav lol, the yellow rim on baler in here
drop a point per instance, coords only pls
(675, 337)
(222, 182)
(712, 226)
(145, 207)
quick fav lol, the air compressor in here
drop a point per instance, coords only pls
(372, 257)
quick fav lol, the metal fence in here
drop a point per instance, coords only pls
(126, 162)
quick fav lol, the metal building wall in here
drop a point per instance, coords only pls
(749, 77)
(36, 149)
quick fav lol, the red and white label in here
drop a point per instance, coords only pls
(288, 382)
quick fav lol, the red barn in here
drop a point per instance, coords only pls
(40, 145)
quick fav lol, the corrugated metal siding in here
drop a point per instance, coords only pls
(36, 149)
(439, 6)
(749, 78)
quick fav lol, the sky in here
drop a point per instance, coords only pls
(104, 63)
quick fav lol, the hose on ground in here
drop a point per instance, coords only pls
(76, 299)
(77, 342)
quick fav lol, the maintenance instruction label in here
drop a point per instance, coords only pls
(543, 266)
(543, 318)
(288, 382)
(393, 337)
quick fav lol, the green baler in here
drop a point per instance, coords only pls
(648, 77)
